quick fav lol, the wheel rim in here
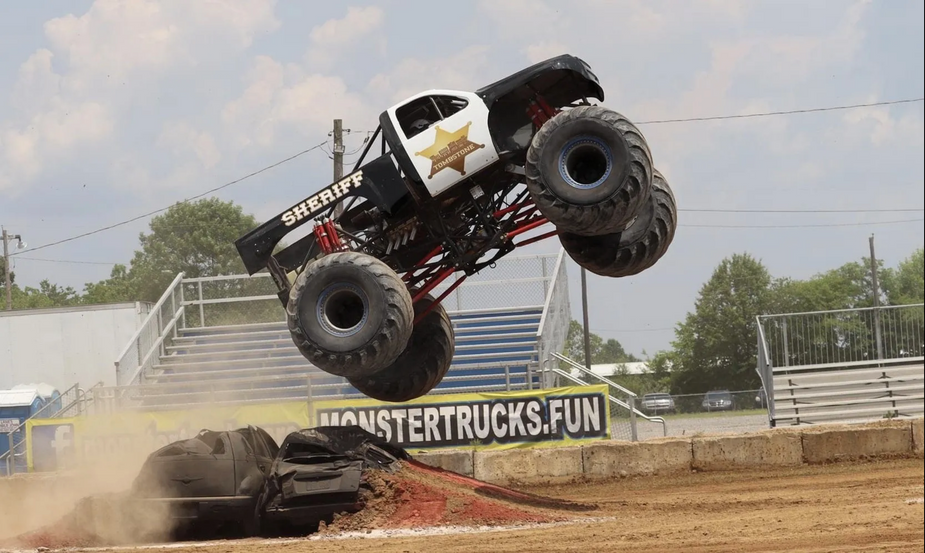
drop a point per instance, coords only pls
(585, 163)
(342, 309)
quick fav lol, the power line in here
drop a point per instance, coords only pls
(774, 113)
(320, 145)
(810, 225)
(896, 210)
(628, 330)
(66, 261)
(148, 214)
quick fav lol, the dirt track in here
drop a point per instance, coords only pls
(848, 507)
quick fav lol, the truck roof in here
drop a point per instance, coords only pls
(562, 79)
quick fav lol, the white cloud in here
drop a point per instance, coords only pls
(540, 51)
(181, 138)
(284, 99)
(878, 126)
(75, 92)
(337, 37)
(468, 69)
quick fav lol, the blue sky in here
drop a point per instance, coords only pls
(109, 109)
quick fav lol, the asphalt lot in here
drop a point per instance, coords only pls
(700, 424)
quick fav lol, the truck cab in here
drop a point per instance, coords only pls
(439, 138)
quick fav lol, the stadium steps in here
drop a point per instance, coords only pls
(259, 362)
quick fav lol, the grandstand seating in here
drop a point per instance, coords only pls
(495, 348)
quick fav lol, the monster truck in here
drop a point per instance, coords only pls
(459, 176)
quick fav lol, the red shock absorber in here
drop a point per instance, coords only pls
(322, 236)
(540, 111)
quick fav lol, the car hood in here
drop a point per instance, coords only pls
(327, 460)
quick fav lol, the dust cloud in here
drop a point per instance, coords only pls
(82, 505)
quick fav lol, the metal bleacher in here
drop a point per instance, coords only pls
(843, 366)
(223, 340)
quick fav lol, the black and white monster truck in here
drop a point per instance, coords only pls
(459, 176)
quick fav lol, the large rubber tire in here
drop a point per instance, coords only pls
(589, 170)
(421, 366)
(636, 248)
(349, 314)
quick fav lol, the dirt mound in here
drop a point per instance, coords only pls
(419, 496)
(415, 496)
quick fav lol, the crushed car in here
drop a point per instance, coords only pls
(242, 482)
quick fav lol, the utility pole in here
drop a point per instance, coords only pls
(338, 159)
(6, 269)
(876, 285)
(6, 265)
(584, 307)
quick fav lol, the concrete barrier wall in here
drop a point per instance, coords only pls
(782, 447)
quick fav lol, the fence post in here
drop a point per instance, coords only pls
(311, 411)
(202, 309)
(631, 401)
(182, 306)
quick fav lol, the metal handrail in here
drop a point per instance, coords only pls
(549, 294)
(585, 370)
(80, 396)
(633, 411)
(152, 314)
(630, 393)
(850, 310)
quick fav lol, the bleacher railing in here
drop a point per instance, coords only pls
(528, 281)
(554, 323)
(149, 341)
(71, 402)
(847, 365)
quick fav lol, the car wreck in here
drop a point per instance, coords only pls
(243, 481)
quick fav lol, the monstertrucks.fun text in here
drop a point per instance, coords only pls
(461, 177)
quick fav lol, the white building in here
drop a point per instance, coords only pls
(68, 345)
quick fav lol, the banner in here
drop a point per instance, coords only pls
(490, 420)
(54, 444)
(495, 420)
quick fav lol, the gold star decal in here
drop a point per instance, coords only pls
(449, 150)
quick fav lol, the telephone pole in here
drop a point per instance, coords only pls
(338, 159)
(584, 309)
(876, 285)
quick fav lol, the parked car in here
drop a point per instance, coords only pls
(658, 403)
(717, 400)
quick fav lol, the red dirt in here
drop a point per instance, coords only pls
(419, 495)
(415, 496)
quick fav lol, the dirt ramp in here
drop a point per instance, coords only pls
(422, 496)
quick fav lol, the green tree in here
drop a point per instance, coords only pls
(196, 238)
(715, 345)
(906, 284)
(609, 351)
(46, 295)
